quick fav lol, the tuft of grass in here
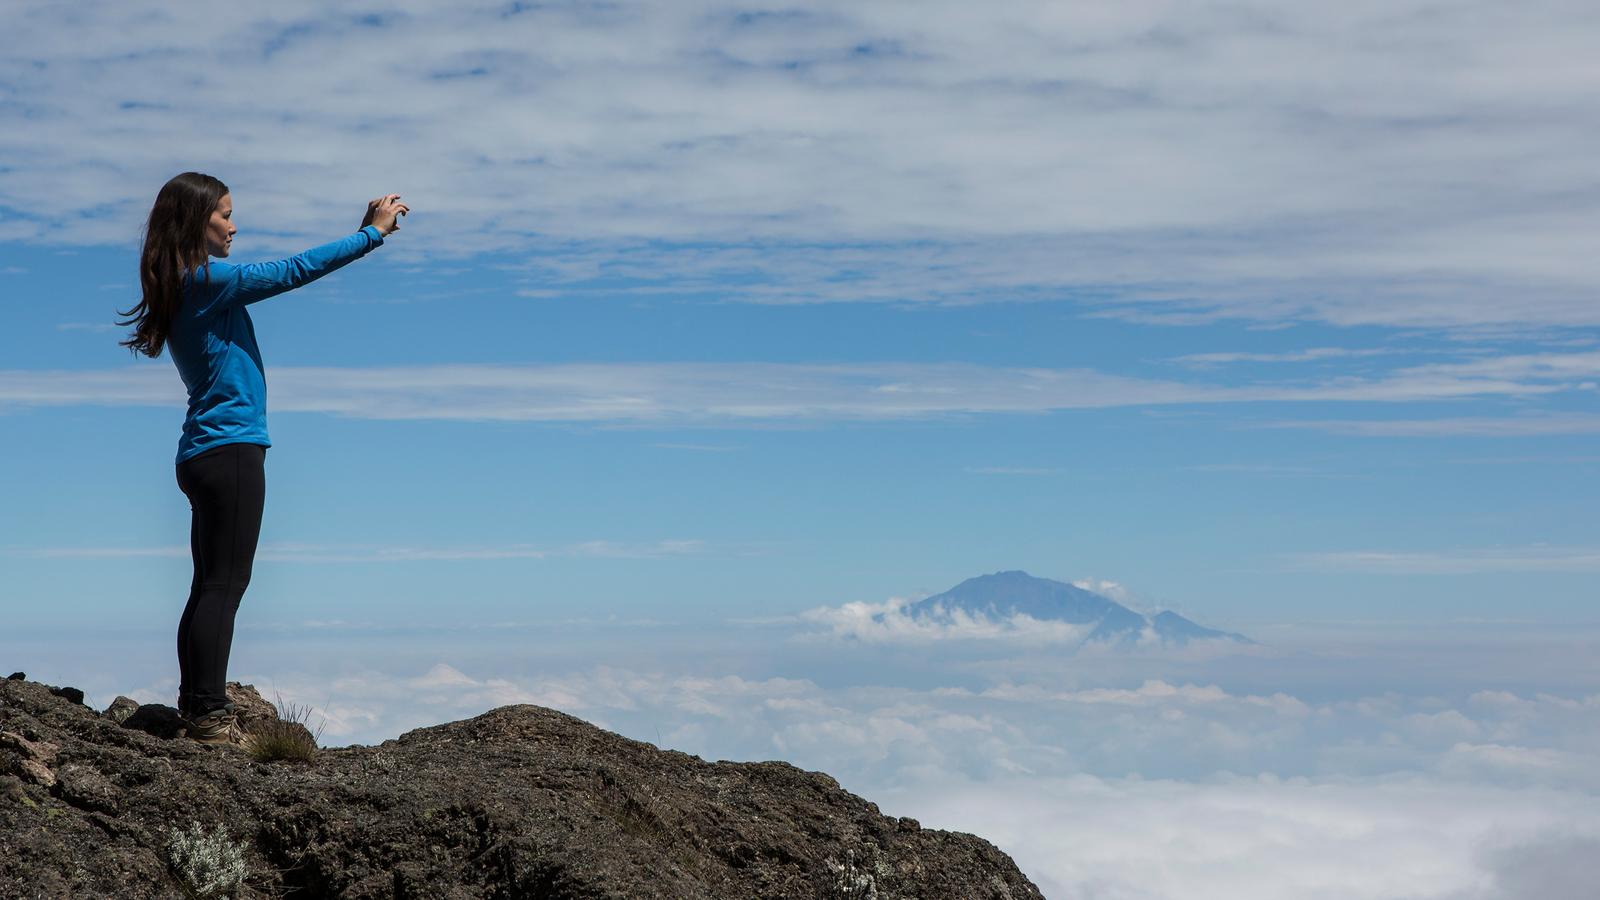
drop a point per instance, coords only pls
(286, 738)
(206, 863)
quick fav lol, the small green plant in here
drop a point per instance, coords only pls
(206, 864)
(286, 737)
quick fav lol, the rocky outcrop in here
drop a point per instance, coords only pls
(520, 802)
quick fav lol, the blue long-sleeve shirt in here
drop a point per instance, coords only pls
(213, 341)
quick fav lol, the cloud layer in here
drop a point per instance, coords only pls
(1108, 780)
(1265, 838)
(1398, 163)
(1491, 798)
(1032, 712)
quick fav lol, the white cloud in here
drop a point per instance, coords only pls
(1394, 164)
(1152, 692)
(1106, 588)
(1513, 704)
(1532, 765)
(888, 622)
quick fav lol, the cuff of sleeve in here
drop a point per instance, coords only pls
(373, 232)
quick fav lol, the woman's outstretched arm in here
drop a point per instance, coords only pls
(257, 281)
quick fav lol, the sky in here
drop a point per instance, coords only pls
(719, 332)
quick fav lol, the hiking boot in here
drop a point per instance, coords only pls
(220, 726)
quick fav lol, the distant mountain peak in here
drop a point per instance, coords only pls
(1009, 594)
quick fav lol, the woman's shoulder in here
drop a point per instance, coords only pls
(207, 289)
(212, 273)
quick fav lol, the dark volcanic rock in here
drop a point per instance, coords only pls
(69, 693)
(520, 802)
(156, 720)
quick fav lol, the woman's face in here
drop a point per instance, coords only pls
(220, 230)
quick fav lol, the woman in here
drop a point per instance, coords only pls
(197, 307)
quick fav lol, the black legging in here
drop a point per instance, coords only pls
(226, 488)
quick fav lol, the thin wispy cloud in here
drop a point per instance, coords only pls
(1452, 562)
(355, 553)
(359, 627)
(97, 552)
(1539, 425)
(725, 393)
(1582, 366)
(1405, 165)
(1254, 469)
(700, 448)
(1525, 460)
(1314, 354)
(95, 327)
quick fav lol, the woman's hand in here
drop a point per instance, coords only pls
(384, 212)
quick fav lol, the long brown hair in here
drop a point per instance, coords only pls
(174, 244)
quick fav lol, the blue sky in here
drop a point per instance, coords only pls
(715, 322)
